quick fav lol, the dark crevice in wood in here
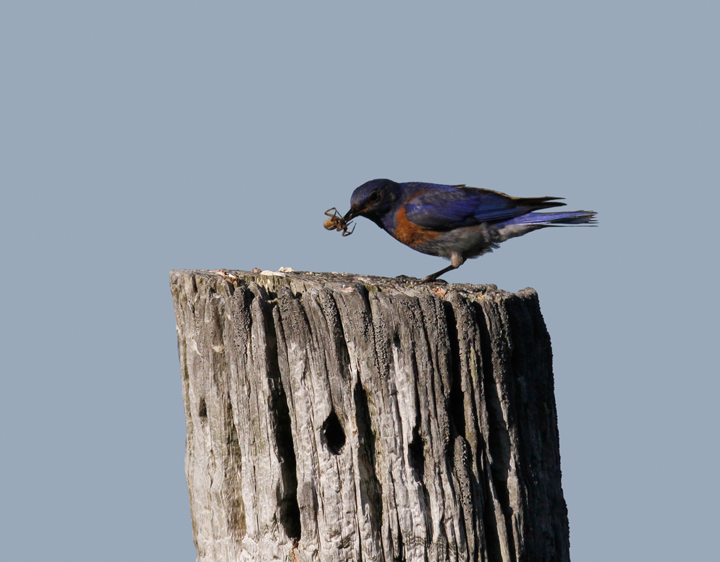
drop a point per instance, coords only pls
(499, 439)
(470, 493)
(332, 434)
(280, 419)
(456, 400)
(490, 524)
(416, 447)
(370, 487)
(202, 409)
(492, 535)
(424, 403)
(400, 555)
(232, 468)
(416, 453)
(332, 316)
(230, 287)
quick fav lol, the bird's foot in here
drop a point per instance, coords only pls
(433, 279)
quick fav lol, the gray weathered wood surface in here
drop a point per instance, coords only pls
(339, 417)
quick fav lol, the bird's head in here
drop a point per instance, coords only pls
(372, 200)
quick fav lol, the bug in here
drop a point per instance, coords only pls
(337, 222)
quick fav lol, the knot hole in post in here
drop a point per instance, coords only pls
(332, 434)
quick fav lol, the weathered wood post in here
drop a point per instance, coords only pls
(339, 417)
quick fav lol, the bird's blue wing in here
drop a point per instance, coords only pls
(444, 207)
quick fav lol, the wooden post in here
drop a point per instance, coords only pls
(342, 417)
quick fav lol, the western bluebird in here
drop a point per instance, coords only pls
(454, 221)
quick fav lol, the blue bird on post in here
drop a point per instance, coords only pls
(452, 221)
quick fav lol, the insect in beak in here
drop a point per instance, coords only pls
(338, 222)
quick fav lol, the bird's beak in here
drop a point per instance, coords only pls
(351, 214)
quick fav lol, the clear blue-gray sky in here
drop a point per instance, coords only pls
(140, 137)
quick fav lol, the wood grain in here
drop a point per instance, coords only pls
(339, 417)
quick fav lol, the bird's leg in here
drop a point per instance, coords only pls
(456, 260)
(431, 278)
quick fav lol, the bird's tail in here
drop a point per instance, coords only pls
(557, 219)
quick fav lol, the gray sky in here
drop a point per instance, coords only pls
(140, 137)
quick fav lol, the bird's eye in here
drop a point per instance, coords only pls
(374, 197)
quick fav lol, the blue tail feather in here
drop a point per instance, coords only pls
(556, 219)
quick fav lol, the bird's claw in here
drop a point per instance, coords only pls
(433, 279)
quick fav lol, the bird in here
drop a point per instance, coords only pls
(455, 222)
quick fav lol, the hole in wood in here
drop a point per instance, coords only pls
(202, 409)
(370, 487)
(416, 452)
(332, 434)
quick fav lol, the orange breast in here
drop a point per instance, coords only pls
(409, 233)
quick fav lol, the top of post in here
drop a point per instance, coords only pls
(303, 281)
